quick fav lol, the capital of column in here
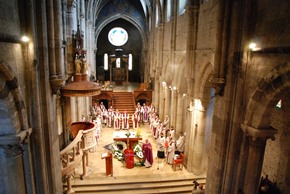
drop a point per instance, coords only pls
(267, 133)
(13, 144)
(71, 4)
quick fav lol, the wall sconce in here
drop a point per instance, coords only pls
(25, 39)
(163, 83)
(253, 46)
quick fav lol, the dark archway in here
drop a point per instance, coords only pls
(134, 46)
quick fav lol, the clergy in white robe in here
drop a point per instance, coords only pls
(135, 120)
(117, 120)
(125, 120)
(170, 151)
(180, 143)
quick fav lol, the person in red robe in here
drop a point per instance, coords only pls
(148, 154)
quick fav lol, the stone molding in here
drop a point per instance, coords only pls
(267, 133)
(12, 144)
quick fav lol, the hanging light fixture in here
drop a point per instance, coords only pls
(106, 61)
(130, 62)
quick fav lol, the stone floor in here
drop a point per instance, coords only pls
(97, 168)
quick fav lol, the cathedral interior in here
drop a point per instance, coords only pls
(219, 68)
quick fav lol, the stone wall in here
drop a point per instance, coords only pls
(276, 159)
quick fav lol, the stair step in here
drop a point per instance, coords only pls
(144, 186)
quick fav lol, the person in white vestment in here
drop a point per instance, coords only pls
(170, 151)
(125, 120)
(117, 120)
(161, 146)
(172, 133)
(180, 143)
(110, 116)
(135, 120)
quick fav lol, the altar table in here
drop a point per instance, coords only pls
(120, 136)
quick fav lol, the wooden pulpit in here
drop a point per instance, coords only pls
(109, 163)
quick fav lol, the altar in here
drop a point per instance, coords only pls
(121, 136)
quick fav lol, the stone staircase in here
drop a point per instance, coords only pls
(135, 185)
(124, 101)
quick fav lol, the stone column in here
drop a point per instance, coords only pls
(173, 107)
(167, 103)
(71, 9)
(198, 147)
(156, 94)
(16, 175)
(257, 142)
(111, 70)
(161, 100)
(179, 111)
(58, 32)
(73, 104)
(190, 135)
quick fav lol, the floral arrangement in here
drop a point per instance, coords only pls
(138, 133)
(117, 151)
(127, 134)
(138, 151)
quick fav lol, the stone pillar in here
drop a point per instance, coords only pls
(156, 94)
(179, 111)
(110, 71)
(161, 100)
(173, 107)
(71, 9)
(257, 142)
(16, 175)
(167, 103)
(73, 105)
(190, 135)
(58, 32)
(198, 148)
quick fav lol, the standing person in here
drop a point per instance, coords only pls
(135, 120)
(110, 116)
(166, 125)
(125, 120)
(160, 146)
(147, 152)
(170, 151)
(180, 143)
(199, 190)
(172, 133)
(117, 120)
(145, 112)
(138, 110)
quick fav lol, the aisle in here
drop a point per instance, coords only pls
(97, 165)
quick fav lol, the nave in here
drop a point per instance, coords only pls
(97, 169)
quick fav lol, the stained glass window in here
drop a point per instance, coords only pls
(279, 104)
(118, 36)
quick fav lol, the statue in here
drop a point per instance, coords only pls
(78, 64)
(84, 67)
